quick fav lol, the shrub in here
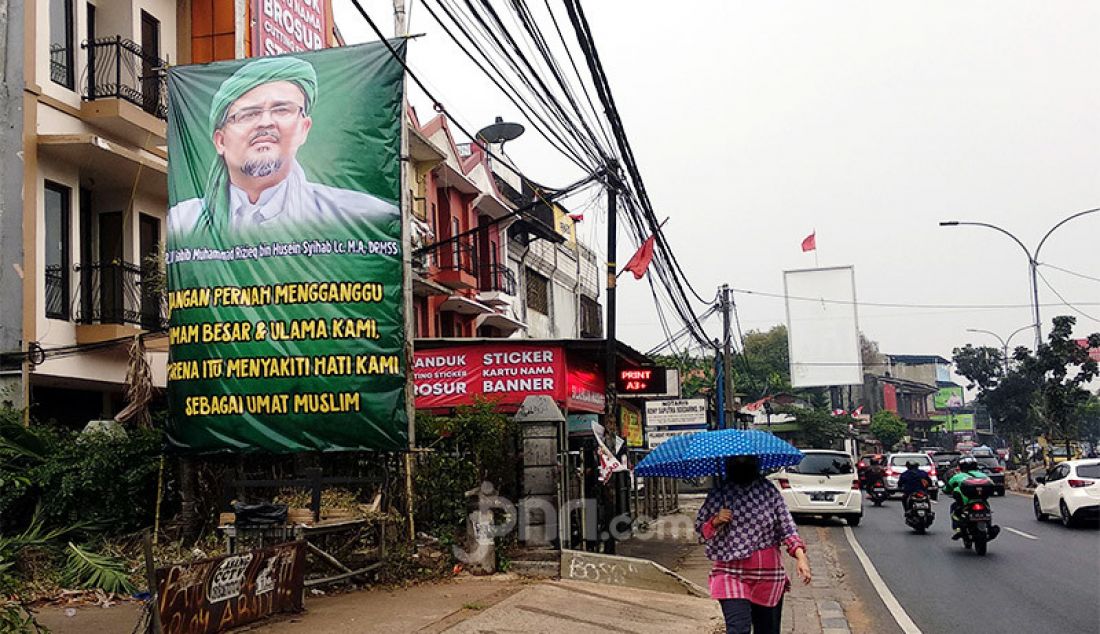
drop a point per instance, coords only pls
(109, 484)
(888, 428)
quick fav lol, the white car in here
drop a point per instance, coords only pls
(824, 483)
(895, 466)
(1070, 490)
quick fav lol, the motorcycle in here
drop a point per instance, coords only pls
(878, 492)
(919, 515)
(976, 517)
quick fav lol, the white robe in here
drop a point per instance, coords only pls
(294, 201)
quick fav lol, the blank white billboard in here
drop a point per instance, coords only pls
(822, 327)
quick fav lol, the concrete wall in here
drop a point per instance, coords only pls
(11, 187)
(923, 373)
(559, 264)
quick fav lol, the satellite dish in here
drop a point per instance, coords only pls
(500, 132)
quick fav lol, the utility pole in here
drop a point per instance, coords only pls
(727, 360)
(612, 246)
(400, 29)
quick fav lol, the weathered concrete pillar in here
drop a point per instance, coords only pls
(541, 425)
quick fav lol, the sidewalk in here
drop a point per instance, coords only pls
(502, 603)
(815, 609)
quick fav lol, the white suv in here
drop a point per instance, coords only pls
(824, 483)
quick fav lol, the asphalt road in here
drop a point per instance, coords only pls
(1046, 583)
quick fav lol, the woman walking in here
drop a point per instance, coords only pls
(743, 522)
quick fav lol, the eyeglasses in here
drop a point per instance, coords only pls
(280, 114)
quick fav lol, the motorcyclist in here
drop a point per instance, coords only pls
(913, 480)
(875, 471)
(967, 469)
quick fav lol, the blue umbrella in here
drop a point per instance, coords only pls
(667, 453)
(704, 453)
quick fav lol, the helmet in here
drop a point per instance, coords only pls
(967, 464)
(912, 464)
(878, 459)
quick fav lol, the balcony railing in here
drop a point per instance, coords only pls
(498, 278)
(458, 256)
(119, 69)
(117, 293)
(61, 59)
(57, 292)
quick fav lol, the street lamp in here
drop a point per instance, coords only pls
(1004, 341)
(1032, 261)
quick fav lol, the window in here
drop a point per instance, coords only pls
(899, 461)
(57, 250)
(591, 318)
(823, 464)
(1089, 471)
(61, 42)
(455, 243)
(538, 293)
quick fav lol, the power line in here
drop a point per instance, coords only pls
(1059, 296)
(745, 291)
(438, 105)
(1069, 272)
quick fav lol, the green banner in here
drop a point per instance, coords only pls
(954, 422)
(284, 253)
(951, 397)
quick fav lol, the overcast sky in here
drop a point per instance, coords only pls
(755, 123)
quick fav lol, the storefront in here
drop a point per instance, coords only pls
(453, 372)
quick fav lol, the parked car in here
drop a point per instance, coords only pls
(895, 465)
(1057, 453)
(825, 483)
(1071, 491)
(931, 451)
(993, 466)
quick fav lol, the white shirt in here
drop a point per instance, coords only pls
(294, 201)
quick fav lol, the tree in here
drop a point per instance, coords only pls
(1062, 368)
(869, 354)
(984, 367)
(819, 429)
(888, 427)
(1033, 392)
(1090, 419)
(696, 373)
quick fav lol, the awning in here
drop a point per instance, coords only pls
(499, 321)
(491, 206)
(450, 177)
(464, 306)
(110, 164)
(421, 148)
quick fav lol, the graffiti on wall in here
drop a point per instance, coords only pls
(216, 594)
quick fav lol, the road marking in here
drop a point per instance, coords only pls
(904, 622)
(1020, 533)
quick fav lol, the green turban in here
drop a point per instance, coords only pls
(256, 73)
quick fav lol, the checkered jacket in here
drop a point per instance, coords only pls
(760, 520)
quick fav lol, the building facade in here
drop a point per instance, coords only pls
(82, 218)
(85, 80)
(491, 259)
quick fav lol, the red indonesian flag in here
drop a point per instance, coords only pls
(809, 243)
(640, 260)
(577, 216)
